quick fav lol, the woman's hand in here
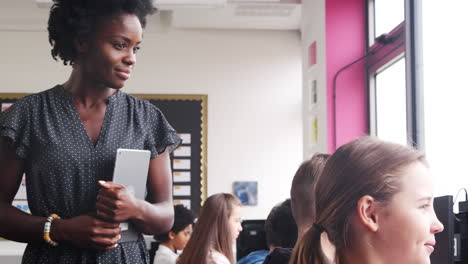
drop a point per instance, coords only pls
(86, 231)
(114, 203)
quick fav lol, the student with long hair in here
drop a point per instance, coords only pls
(215, 232)
(375, 203)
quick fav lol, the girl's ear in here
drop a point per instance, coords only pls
(171, 235)
(367, 212)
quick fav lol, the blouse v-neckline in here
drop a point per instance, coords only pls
(80, 125)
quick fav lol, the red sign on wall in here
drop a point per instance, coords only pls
(312, 53)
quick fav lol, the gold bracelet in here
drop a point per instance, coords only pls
(47, 225)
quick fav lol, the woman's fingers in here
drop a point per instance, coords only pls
(106, 201)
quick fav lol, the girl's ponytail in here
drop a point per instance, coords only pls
(309, 249)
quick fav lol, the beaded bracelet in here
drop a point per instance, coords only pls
(47, 225)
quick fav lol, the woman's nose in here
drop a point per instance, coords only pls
(130, 59)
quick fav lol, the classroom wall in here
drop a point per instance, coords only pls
(337, 29)
(252, 79)
(313, 31)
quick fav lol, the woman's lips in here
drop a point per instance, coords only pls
(123, 74)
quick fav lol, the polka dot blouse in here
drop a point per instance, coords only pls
(62, 165)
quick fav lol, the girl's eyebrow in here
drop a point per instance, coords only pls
(425, 198)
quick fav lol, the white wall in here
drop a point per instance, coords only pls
(313, 29)
(253, 82)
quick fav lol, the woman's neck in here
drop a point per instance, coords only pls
(84, 91)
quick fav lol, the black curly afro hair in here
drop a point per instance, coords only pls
(72, 19)
(182, 218)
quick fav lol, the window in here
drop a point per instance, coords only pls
(388, 14)
(390, 93)
(386, 69)
(446, 93)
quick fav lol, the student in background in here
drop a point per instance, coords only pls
(281, 235)
(303, 197)
(303, 193)
(215, 232)
(375, 202)
(177, 238)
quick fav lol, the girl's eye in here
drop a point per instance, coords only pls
(136, 49)
(424, 206)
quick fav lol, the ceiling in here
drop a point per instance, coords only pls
(18, 15)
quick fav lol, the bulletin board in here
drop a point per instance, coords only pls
(188, 115)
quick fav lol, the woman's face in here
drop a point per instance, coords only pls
(180, 239)
(109, 58)
(235, 226)
(408, 223)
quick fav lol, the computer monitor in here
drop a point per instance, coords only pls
(444, 251)
(251, 238)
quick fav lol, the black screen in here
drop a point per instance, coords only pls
(251, 238)
(443, 253)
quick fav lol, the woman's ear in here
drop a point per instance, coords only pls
(81, 45)
(171, 235)
(367, 212)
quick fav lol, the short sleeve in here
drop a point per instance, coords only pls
(161, 134)
(15, 125)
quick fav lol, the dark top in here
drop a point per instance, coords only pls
(62, 165)
(279, 256)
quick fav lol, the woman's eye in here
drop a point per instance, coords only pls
(119, 46)
(136, 49)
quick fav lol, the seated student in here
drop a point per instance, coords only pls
(375, 202)
(176, 239)
(214, 234)
(281, 235)
(302, 191)
(303, 197)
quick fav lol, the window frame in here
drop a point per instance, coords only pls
(404, 40)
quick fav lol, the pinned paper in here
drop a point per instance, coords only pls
(184, 202)
(181, 164)
(182, 151)
(5, 106)
(182, 190)
(181, 176)
(22, 205)
(21, 194)
(186, 138)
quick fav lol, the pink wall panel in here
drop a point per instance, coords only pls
(345, 42)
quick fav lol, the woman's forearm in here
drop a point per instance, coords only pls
(19, 226)
(153, 219)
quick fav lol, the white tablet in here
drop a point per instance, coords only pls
(131, 170)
